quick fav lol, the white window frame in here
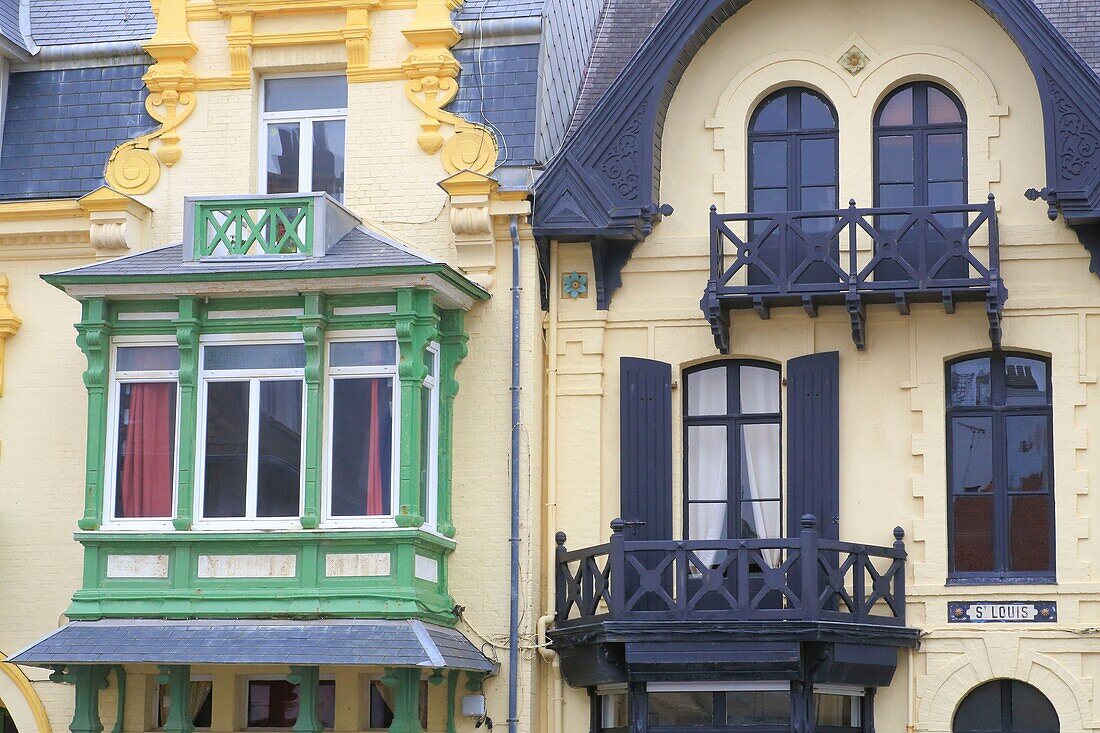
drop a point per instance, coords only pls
(332, 374)
(110, 463)
(305, 120)
(431, 451)
(155, 706)
(250, 521)
(242, 698)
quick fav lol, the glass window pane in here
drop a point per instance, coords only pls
(147, 358)
(274, 703)
(305, 93)
(772, 115)
(759, 390)
(816, 113)
(898, 111)
(898, 195)
(1031, 710)
(760, 460)
(818, 162)
(707, 392)
(1029, 534)
(769, 163)
(363, 353)
(707, 463)
(226, 467)
(971, 455)
(769, 199)
(821, 198)
(980, 711)
(895, 159)
(760, 519)
(1025, 381)
(202, 704)
(381, 706)
(834, 710)
(681, 708)
(614, 711)
(942, 109)
(255, 356)
(948, 194)
(279, 473)
(946, 157)
(1028, 451)
(771, 707)
(284, 144)
(362, 447)
(970, 384)
(146, 450)
(328, 157)
(972, 534)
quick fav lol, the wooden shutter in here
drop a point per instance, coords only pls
(645, 448)
(813, 443)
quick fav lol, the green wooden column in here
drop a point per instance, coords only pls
(452, 693)
(417, 326)
(308, 680)
(94, 339)
(178, 679)
(405, 686)
(314, 322)
(453, 350)
(188, 327)
(88, 680)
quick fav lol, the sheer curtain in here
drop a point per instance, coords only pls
(760, 451)
(707, 463)
(146, 478)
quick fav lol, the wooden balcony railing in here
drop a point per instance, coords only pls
(854, 257)
(806, 579)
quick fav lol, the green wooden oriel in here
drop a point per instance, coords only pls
(177, 677)
(417, 326)
(94, 339)
(308, 680)
(404, 683)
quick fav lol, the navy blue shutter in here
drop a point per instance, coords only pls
(813, 443)
(645, 448)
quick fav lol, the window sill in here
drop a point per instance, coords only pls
(1001, 580)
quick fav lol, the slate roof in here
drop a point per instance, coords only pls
(9, 22)
(362, 248)
(496, 9)
(504, 95)
(61, 125)
(626, 24)
(407, 643)
(55, 22)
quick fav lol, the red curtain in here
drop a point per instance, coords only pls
(375, 500)
(146, 476)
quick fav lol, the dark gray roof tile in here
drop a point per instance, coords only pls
(57, 22)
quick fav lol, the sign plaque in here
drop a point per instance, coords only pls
(1004, 612)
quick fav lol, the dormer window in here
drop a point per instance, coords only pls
(302, 138)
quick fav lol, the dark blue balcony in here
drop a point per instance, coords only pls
(854, 257)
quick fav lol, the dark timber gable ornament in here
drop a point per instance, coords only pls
(605, 181)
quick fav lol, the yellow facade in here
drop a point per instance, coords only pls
(893, 442)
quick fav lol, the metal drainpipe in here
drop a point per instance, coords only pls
(513, 620)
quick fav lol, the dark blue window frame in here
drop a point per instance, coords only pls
(993, 413)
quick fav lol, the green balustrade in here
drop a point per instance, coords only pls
(279, 226)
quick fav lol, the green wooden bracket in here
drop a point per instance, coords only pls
(452, 694)
(405, 685)
(94, 339)
(453, 350)
(89, 680)
(308, 680)
(188, 326)
(177, 677)
(417, 326)
(314, 323)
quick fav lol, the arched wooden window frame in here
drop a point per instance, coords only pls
(1008, 690)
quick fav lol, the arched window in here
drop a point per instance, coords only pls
(1005, 706)
(920, 160)
(793, 152)
(1000, 467)
(732, 451)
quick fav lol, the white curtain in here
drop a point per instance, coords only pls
(760, 455)
(707, 472)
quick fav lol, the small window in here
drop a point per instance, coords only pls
(304, 126)
(200, 702)
(380, 715)
(1000, 467)
(274, 704)
(1005, 706)
(252, 446)
(144, 397)
(614, 711)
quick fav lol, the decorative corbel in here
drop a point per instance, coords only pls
(9, 324)
(472, 224)
(357, 35)
(132, 168)
(117, 222)
(432, 72)
(239, 39)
